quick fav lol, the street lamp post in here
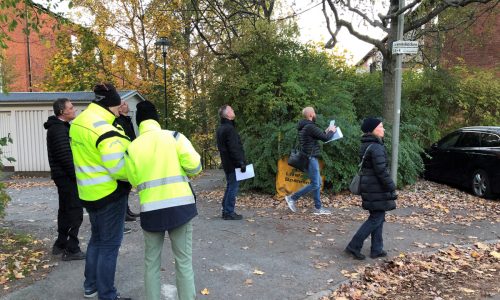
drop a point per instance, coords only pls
(163, 43)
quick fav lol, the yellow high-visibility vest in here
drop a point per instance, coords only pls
(98, 153)
(158, 163)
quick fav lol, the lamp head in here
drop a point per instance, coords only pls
(163, 43)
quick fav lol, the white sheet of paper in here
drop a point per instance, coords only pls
(249, 173)
(336, 136)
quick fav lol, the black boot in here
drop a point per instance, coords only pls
(356, 254)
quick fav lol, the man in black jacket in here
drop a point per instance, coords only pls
(126, 124)
(62, 170)
(309, 134)
(232, 156)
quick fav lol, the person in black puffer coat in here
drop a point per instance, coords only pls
(232, 156)
(62, 170)
(309, 134)
(378, 191)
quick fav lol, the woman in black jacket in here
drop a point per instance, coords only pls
(378, 191)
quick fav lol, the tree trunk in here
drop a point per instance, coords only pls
(388, 64)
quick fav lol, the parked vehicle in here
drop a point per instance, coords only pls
(468, 157)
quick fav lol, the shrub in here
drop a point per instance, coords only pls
(4, 197)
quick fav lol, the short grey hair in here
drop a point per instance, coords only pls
(222, 111)
(59, 106)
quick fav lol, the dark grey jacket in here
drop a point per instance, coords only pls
(230, 146)
(309, 134)
(378, 191)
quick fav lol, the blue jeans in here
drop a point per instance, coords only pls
(229, 200)
(102, 251)
(314, 186)
(372, 226)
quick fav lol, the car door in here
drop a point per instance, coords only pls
(438, 165)
(465, 156)
(490, 163)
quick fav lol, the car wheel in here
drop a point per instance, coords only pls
(481, 184)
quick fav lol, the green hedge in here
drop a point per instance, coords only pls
(281, 77)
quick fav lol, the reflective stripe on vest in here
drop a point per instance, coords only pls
(172, 202)
(96, 180)
(97, 169)
(90, 169)
(111, 156)
(99, 123)
(193, 171)
(161, 181)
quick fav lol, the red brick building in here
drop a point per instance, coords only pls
(477, 47)
(26, 57)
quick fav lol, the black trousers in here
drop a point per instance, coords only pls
(69, 215)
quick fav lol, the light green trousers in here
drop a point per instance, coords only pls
(181, 239)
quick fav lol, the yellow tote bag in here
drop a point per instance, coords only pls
(290, 180)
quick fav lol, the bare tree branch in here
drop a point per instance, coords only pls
(373, 23)
(398, 12)
(439, 9)
(333, 40)
(342, 23)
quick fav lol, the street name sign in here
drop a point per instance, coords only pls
(405, 47)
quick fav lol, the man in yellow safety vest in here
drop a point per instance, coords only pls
(98, 153)
(158, 163)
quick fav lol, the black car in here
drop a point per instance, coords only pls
(468, 157)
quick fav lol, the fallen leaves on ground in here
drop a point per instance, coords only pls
(258, 272)
(21, 184)
(435, 203)
(456, 272)
(20, 255)
(443, 204)
(205, 291)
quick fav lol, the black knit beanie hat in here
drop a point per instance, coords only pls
(369, 124)
(106, 95)
(145, 111)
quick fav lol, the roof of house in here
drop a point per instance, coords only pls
(43, 97)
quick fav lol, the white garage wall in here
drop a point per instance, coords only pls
(6, 128)
(31, 140)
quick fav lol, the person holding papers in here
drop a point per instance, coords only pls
(309, 134)
(232, 156)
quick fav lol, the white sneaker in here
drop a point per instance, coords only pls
(291, 203)
(321, 211)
